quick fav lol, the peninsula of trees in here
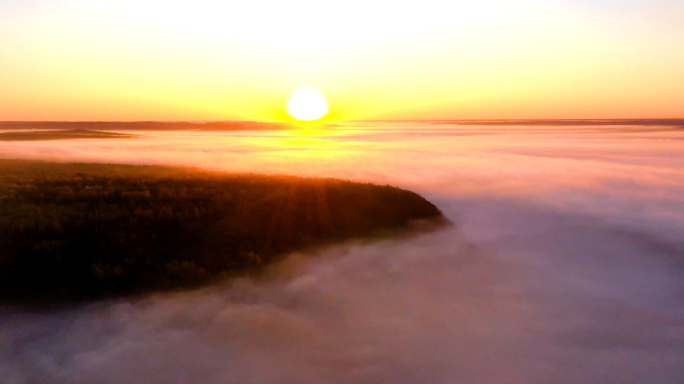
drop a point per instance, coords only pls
(71, 232)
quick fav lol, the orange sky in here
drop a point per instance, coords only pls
(213, 60)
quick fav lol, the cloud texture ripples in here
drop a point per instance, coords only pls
(565, 266)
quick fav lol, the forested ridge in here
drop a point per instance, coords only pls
(61, 135)
(84, 231)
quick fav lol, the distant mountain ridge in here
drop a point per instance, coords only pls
(227, 126)
(568, 122)
(36, 135)
(147, 125)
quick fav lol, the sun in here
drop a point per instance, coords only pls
(307, 104)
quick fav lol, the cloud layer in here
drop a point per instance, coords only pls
(565, 267)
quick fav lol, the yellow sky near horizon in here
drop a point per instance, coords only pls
(434, 59)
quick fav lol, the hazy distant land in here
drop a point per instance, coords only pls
(81, 231)
(62, 135)
(568, 122)
(230, 126)
(145, 125)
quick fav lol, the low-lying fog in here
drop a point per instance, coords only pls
(566, 266)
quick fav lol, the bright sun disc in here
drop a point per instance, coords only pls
(307, 104)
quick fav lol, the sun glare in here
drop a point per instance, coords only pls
(307, 104)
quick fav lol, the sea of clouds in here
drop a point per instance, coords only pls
(565, 265)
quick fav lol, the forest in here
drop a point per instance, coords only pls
(61, 135)
(73, 232)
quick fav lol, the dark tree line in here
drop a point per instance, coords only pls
(74, 232)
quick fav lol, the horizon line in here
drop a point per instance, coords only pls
(351, 120)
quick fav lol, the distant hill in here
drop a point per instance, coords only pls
(61, 135)
(145, 125)
(561, 122)
(71, 232)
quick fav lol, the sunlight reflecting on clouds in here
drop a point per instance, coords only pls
(558, 166)
(564, 267)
